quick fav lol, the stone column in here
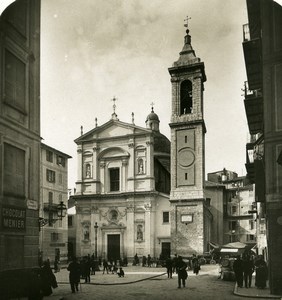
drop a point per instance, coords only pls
(130, 230)
(123, 175)
(102, 176)
(148, 229)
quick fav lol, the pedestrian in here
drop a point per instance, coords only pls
(196, 264)
(74, 275)
(87, 268)
(169, 265)
(238, 270)
(120, 272)
(248, 270)
(114, 268)
(56, 267)
(125, 262)
(144, 261)
(136, 260)
(181, 271)
(261, 272)
(105, 266)
(48, 279)
(149, 260)
(110, 264)
(93, 264)
(174, 260)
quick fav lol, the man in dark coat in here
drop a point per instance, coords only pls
(74, 276)
(169, 265)
(181, 271)
(238, 270)
(196, 264)
(48, 279)
(248, 270)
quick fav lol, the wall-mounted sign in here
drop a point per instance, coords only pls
(32, 204)
(187, 218)
(13, 218)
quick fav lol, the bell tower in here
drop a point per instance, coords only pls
(189, 215)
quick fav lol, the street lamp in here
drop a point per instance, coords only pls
(61, 211)
(96, 234)
(96, 228)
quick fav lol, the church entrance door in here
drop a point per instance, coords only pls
(114, 246)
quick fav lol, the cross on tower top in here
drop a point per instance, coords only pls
(152, 104)
(186, 20)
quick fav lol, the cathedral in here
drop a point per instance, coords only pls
(139, 193)
(122, 192)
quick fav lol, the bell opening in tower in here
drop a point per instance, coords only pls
(186, 101)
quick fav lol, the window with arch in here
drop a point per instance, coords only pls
(186, 99)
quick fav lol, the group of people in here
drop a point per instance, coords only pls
(146, 261)
(110, 266)
(244, 269)
(82, 270)
(178, 266)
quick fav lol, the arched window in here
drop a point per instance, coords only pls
(186, 101)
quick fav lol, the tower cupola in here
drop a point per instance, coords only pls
(152, 121)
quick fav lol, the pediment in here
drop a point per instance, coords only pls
(112, 129)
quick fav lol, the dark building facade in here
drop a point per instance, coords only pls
(19, 134)
(262, 47)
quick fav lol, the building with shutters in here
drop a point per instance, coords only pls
(262, 46)
(19, 135)
(53, 234)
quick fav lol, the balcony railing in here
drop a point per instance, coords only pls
(254, 109)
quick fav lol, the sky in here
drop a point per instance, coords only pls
(94, 50)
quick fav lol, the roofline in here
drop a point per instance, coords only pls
(117, 195)
(54, 149)
(77, 140)
(213, 184)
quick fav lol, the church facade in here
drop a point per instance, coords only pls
(126, 203)
(122, 191)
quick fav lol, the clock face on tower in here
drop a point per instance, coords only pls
(186, 157)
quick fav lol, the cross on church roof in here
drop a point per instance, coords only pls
(152, 104)
(114, 106)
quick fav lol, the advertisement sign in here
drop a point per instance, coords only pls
(13, 218)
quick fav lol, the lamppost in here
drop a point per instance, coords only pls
(96, 234)
(96, 228)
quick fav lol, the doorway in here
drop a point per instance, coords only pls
(165, 249)
(114, 246)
